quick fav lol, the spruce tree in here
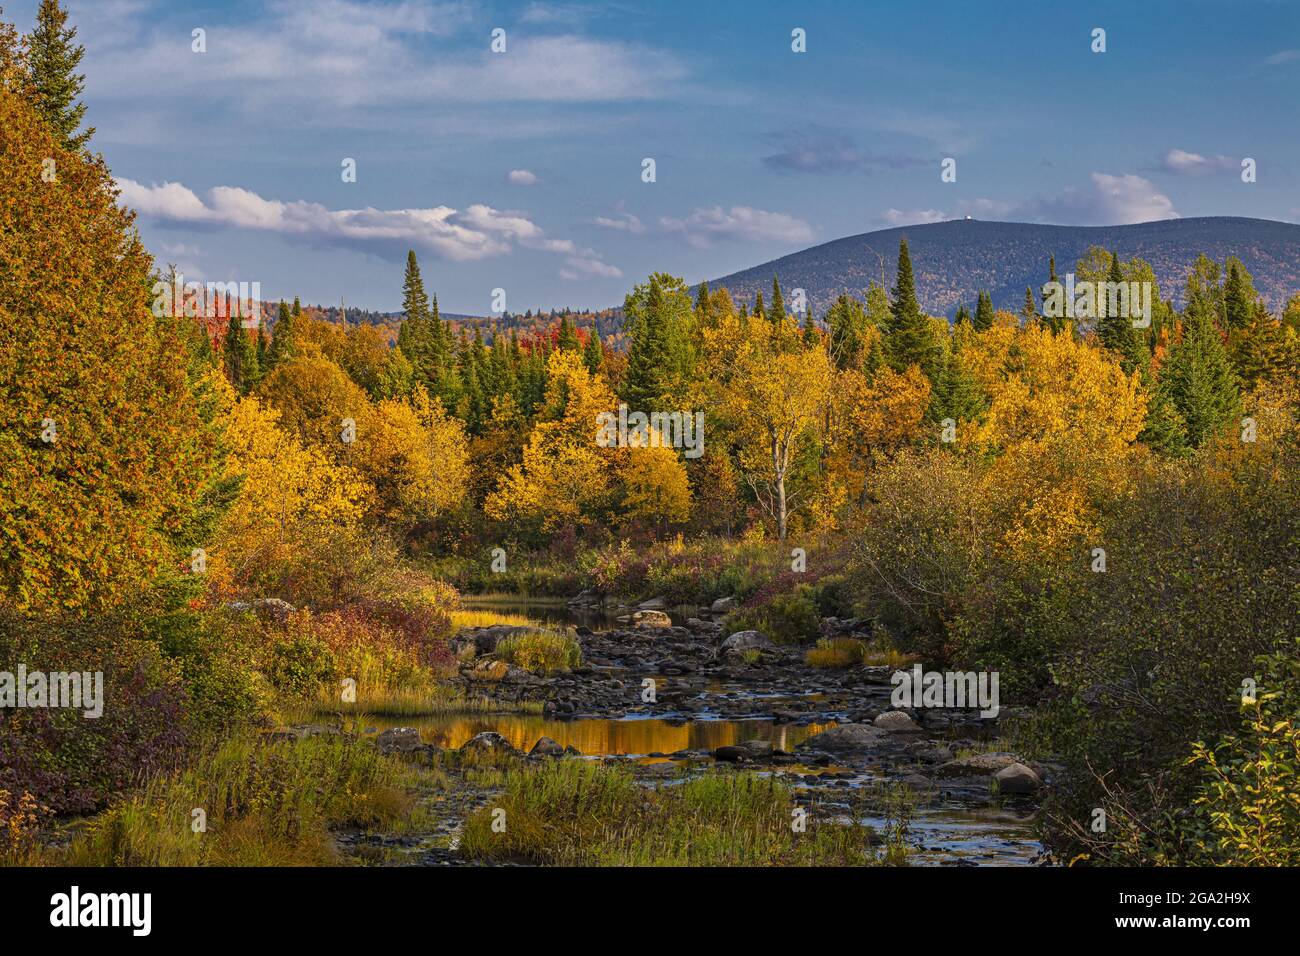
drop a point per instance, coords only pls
(1054, 322)
(983, 320)
(646, 382)
(52, 59)
(703, 307)
(910, 340)
(240, 356)
(593, 355)
(281, 349)
(963, 315)
(566, 338)
(776, 313)
(1117, 332)
(847, 322)
(1030, 310)
(1200, 379)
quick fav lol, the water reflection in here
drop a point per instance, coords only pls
(598, 737)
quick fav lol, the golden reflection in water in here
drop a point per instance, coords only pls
(596, 737)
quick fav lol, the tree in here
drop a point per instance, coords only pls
(910, 339)
(52, 59)
(983, 312)
(281, 349)
(1201, 382)
(593, 353)
(239, 354)
(1029, 313)
(847, 321)
(776, 312)
(566, 338)
(105, 411)
(659, 320)
(1116, 331)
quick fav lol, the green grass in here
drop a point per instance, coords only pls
(266, 804)
(542, 652)
(580, 813)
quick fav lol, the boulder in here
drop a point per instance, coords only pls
(266, 608)
(746, 641)
(846, 738)
(546, 747)
(488, 742)
(399, 740)
(746, 750)
(651, 619)
(978, 765)
(1016, 778)
(896, 722)
(486, 639)
(722, 605)
(653, 604)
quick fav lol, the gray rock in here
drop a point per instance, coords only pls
(846, 738)
(722, 605)
(546, 747)
(976, 766)
(399, 739)
(653, 604)
(651, 619)
(1017, 778)
(746, 641)
(896, 722)
(488, 742)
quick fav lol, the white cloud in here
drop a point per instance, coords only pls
(899, 217)
(1111, 201)
(477, 232)
(1282, 56)
(1194, 164)
(522, 177)
(705, 226)
(622, 222)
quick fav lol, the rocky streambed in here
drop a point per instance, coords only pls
(671, 699)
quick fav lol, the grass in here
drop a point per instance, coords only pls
(839, 652)
(468, 617)
(580, 813)
(262, 803)
(542, 652)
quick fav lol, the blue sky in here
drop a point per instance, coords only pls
(233, 156)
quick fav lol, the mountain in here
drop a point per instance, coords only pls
(954, 260)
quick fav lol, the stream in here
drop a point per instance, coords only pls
(698, 713)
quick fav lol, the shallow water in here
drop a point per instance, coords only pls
(945, 830)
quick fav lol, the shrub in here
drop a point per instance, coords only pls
(542, 652)
(787, 618)
(836, 652)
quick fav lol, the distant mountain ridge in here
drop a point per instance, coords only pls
(954, 260)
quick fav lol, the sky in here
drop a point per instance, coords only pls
(523, 170)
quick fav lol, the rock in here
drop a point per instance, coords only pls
(896, 722)
(488, 742)
(399, 739)
(731, 754)
(486, 639)
(846, 738)
(587, 598)
(1017, 778)
(722, 605)
(546, 747)
(651, 619)
(746, 641)
(490, 671)
(976, 766)
(653, 604)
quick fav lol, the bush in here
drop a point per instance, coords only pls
(541, 652)
(836, 652)
(787, 618)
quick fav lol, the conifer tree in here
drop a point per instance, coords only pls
(239, 354)
(910, 339)
(281, 349)
(1117, 331)
(1054, 322)
(593, 355)
(52, 59)
(566, 338)
(703, 307)
(1030, 310)
(983, 320)
(1202, 385)
(776, 313)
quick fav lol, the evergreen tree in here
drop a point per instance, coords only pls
(1030, 310)
(593, 355)
(776, 313)
(646, 380)
(1238, 297)
(1117, 332)
(963, 315)
(281, 349)
(415, 301)
(810, 335)
(910, 339)
(240, 356)
(52, 59)
(1054, 322)
(983, 320)
(703, 307)
(956, 395)
(566, 338)
(1202, 385)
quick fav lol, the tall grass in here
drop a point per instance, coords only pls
(578, 813)
(543, 652)
(262, 803)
